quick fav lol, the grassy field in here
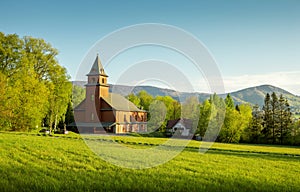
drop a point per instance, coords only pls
(65, 163)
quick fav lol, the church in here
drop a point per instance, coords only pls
(105, 112)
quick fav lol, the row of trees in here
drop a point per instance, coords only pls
(221, 120)
(274, 123)
(34, 89)
(207, 117)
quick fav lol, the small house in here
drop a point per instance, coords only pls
(179, 127)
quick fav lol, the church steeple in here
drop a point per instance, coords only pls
(97, 68)
(97, 78)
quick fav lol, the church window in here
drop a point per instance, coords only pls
(92, 116)
(103, 80)
(92, 97)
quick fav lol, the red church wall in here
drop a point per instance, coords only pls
(104, 105)
(79, 115)
(107, 116)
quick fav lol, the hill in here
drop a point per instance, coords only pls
(256, 95)
(252, 95)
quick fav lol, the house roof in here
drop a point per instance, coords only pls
(97, 68)
(186, 122)
(120, 103)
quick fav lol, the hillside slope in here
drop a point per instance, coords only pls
(252, 95)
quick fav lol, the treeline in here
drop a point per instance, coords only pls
(274, 123)
(230, 123)
(35, 89)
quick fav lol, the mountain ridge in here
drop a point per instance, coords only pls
(253, 95)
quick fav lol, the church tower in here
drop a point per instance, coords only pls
(96, 88)
(102, 112)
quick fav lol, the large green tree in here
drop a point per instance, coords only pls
(285, 120)
(267, 120)
(35, 84)
(254, 132)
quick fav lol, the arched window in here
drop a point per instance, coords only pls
(103, 80)
(92, 116)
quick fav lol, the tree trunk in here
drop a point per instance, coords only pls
(55, 123)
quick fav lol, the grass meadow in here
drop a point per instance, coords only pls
(33, 162)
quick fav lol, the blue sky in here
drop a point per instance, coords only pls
(253, 42)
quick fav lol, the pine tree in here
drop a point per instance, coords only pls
(229, 102)
(285, 120)
(256, 124)
(275, 116)
(267, 119)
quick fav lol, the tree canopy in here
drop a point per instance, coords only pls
(37, 88)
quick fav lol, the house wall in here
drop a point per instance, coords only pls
(129, 116)
(107, 116)
(104, 90)
(79, 115)
(104, 105)
(184, 132)
(92, 105)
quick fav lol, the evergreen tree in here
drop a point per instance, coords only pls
(275, 116)
(285, 120)
(267, 120)
(256, 125)
(229, 102)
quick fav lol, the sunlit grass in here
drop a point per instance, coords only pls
(65, 163)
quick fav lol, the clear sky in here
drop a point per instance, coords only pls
(254, 42)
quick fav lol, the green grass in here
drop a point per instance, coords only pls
(65, 163)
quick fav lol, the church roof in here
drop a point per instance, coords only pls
(97, 68)
(120, 103)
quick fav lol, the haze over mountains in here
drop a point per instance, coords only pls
(252, 95)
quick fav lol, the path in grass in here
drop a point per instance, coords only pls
(38, 163)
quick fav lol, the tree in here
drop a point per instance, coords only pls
(160, 109)
(78, 95)
(295, 133)
(254, 131)
(145, 99)
(36, 85)
(134, 99)
(229, 102)
(235, 124)
(158, 112)
(69, 117)
(60, 88)
(267, 120)
(275, 116)
(285, 120)
(204, 118)
(171, 106)
(190, 109)
(11, 53)
(216, 119)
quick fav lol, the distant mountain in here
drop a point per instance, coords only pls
(256, 95)
(252, 95)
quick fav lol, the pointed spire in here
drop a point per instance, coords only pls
(97, 68)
